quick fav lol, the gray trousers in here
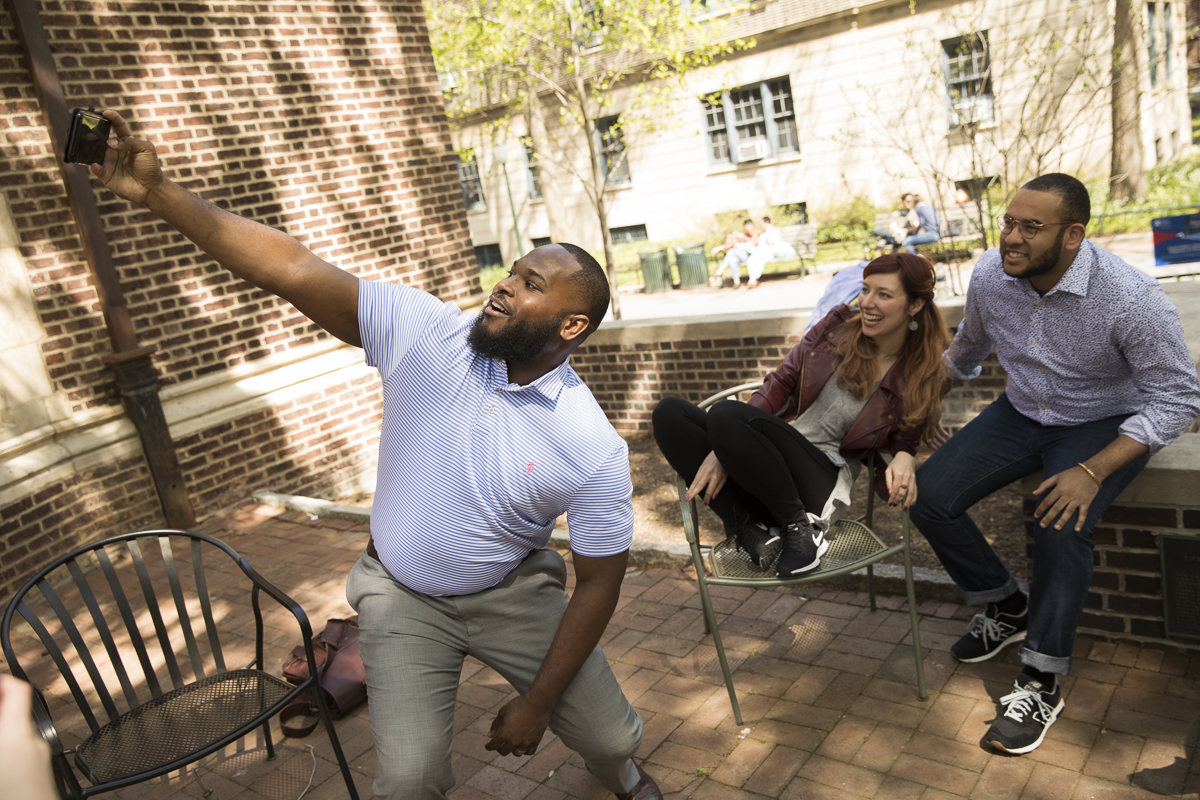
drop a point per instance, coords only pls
(413, 647)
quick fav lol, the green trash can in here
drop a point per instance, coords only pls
(692, 261)
(656, 270)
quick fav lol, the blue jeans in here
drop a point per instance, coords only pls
(734, 258)
(886, 235)
(926, 237)
(1000, 446)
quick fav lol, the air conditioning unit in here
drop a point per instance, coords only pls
(753, 151)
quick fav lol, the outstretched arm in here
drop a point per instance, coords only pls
(268, 258)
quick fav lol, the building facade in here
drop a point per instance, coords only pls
(325, 121)
(838, 100)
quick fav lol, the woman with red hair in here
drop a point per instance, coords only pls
(778, 469)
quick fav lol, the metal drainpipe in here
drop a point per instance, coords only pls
(136, 377)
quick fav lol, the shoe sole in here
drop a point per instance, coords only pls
(1029, 748)
(1019, 636)
(765, 559)
(816, 561)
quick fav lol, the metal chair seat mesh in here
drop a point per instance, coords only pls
(178, 723)
(849, 542)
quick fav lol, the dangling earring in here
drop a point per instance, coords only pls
(912, 324)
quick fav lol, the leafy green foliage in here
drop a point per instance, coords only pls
(541, 59)
(1175, 183)
(1168, 186)
(852, 220)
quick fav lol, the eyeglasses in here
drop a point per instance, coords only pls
(1028, 228)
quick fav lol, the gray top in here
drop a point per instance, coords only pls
(825, 423)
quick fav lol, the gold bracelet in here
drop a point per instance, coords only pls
(1091, 474)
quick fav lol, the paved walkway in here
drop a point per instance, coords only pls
(826, 687)
(802, 293)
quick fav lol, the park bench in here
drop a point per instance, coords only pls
(959, 234)
(803, 239)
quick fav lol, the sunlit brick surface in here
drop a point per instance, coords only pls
(826, 687)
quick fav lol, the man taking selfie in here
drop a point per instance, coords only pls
(488, 435)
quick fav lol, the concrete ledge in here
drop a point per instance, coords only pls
(313, 506)
(772, 322)
(931, 584)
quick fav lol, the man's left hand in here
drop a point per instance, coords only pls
(518, 727)
(1067, 492)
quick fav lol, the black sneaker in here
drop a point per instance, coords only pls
(803, 546)
(1028, 713)
(990, 633)
(759, 541)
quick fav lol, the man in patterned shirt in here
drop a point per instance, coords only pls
(488, 436)
(1099, 378)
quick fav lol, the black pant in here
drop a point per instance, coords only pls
(774, 472)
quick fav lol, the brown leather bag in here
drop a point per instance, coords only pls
(340, 674)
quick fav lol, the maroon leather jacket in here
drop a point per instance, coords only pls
(791, 388)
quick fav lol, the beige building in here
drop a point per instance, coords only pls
(837, 100)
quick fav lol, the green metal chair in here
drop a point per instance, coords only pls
(852, 546)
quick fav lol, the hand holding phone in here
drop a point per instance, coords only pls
(87, 138)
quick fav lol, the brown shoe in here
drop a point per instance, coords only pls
(646, 789)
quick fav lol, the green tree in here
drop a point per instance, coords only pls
(570, 59)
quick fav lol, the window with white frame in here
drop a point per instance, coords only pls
(1159, 54)
(967, 64)
(784, 116)
(714, 125)
(468, 178)
(1152, 40)
(1167, 41)
(533, 175)
(591, 23)
(750, 122)
(610, 142)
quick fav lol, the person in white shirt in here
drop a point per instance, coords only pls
(770, 246)
(488, 435)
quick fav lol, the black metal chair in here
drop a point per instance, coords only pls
(852, 546)
(135, 612)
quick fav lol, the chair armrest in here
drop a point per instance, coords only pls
(278, 596)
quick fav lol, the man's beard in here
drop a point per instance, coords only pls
(517, 342)
(1046, 261)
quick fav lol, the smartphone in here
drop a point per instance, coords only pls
(87, 138)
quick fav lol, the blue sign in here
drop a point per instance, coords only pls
(1176, 239)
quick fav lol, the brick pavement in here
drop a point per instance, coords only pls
(826, 687)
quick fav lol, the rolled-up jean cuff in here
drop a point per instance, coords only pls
(1010, 587)
(1059, 665)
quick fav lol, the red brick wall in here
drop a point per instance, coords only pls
(318, 445)
(629, 379)
(322, 119)
(1125, 601)
(90, 504)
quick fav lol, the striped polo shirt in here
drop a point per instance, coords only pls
(473, 469)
